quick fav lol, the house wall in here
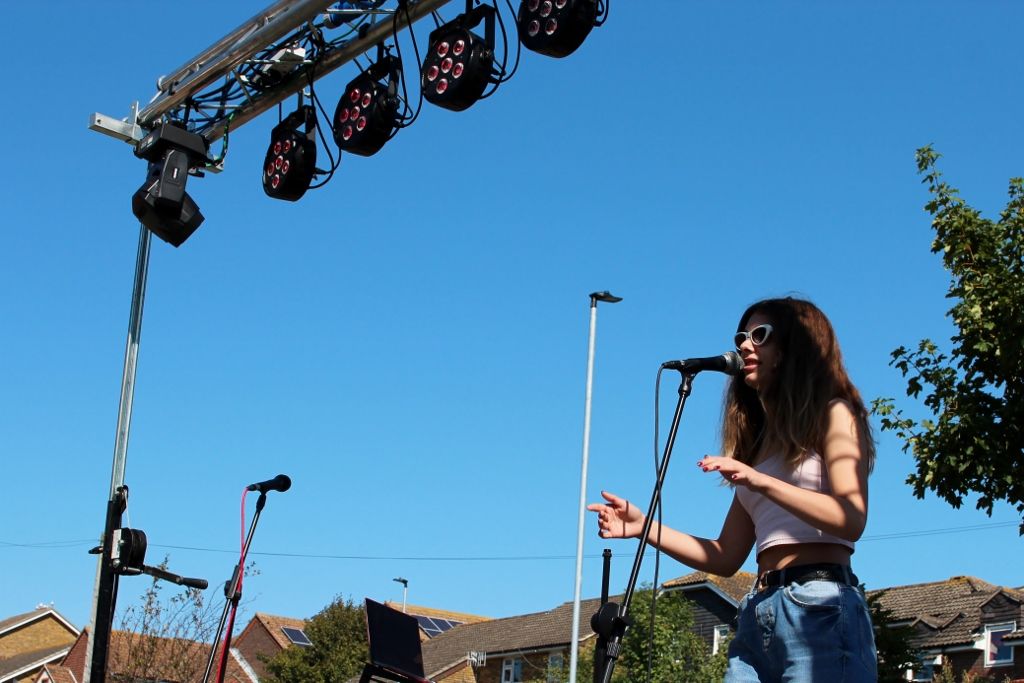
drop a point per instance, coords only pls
(709, 611)
(36, 635)
(1000, 609)
(257, 640)
(535, 666)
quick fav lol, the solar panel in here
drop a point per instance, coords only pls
(297, 636)
(434, 626)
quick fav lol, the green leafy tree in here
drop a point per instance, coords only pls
(974, 442)
(896, 652)
(339, 650)
(679, 654)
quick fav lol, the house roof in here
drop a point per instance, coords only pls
(944, 613)
(11, 623)
(55, 673)
(735, 586)
(461, 617)
(274, 623)
(164, 665)
(522, 633)
(24, 662)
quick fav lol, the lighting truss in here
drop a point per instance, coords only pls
(269, 58)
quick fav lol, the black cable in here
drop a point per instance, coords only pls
(657, 548)
(504, 57)
(603, 7)
(407, 119)
(320, 133)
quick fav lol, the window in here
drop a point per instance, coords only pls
(512, 670)
(722, 633)
(996, 653)
(555, 664)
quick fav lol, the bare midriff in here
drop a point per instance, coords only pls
(789, 555)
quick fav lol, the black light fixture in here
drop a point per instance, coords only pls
(367, 114)
(459, 64)
(555, 27)
(162, 204)
(290, 162)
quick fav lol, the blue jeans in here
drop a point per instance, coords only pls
(804, 633)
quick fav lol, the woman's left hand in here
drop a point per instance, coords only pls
(733, 471)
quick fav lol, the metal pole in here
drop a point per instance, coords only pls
(105, 591)
(405, 590)
(574, 647)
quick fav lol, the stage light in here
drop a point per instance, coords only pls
(367, 113)
(555, 27)
(459, 63)
(162, 204)
(290, 162)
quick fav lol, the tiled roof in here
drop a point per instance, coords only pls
(943, 612)
(30, 660)
(161, 658)
(275, 623)
(56, 673)
(735, 586)
(19, 619)
(460, 617)
(512, 634)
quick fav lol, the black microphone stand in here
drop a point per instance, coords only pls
(232, 595)
(611, 621)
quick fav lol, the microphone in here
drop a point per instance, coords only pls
(279, 483)
(729, 362)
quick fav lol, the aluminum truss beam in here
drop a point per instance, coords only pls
(285, 21)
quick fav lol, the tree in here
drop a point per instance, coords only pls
(896, 652)
(339, 650)
(975, 442)
(680, 655)
(163, 638)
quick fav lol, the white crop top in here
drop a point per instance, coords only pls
(772, 524)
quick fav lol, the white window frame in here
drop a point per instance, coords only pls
(508, 670)
(722, 631)
(1007, 627)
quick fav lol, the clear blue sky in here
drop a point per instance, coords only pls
(409, 343)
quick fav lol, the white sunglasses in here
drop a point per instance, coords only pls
(757, 336)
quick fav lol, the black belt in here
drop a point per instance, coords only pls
(807, 572)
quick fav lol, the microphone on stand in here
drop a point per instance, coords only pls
(729, 362)
(279, 483)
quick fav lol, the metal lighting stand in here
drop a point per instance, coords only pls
(611, 621)
(574, 648)
(105, 591)
(179, 99)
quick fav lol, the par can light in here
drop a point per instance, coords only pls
(459, 64)
(555, 27)
(367, 113)
(290, 162)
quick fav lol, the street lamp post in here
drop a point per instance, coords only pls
(405, 589)
(574, 647)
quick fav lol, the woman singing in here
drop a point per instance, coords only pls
(797, 450)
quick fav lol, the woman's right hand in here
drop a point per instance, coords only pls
(618, 518)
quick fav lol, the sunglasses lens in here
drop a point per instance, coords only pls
(759, 335)
(739, 339)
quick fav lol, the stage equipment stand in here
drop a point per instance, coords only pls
(611, 621)
(232, 594)
(105, 591)
(574, 649)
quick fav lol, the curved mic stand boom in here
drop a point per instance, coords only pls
(232, 594)
(611, 621)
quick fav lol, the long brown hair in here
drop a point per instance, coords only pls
(809, 376)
